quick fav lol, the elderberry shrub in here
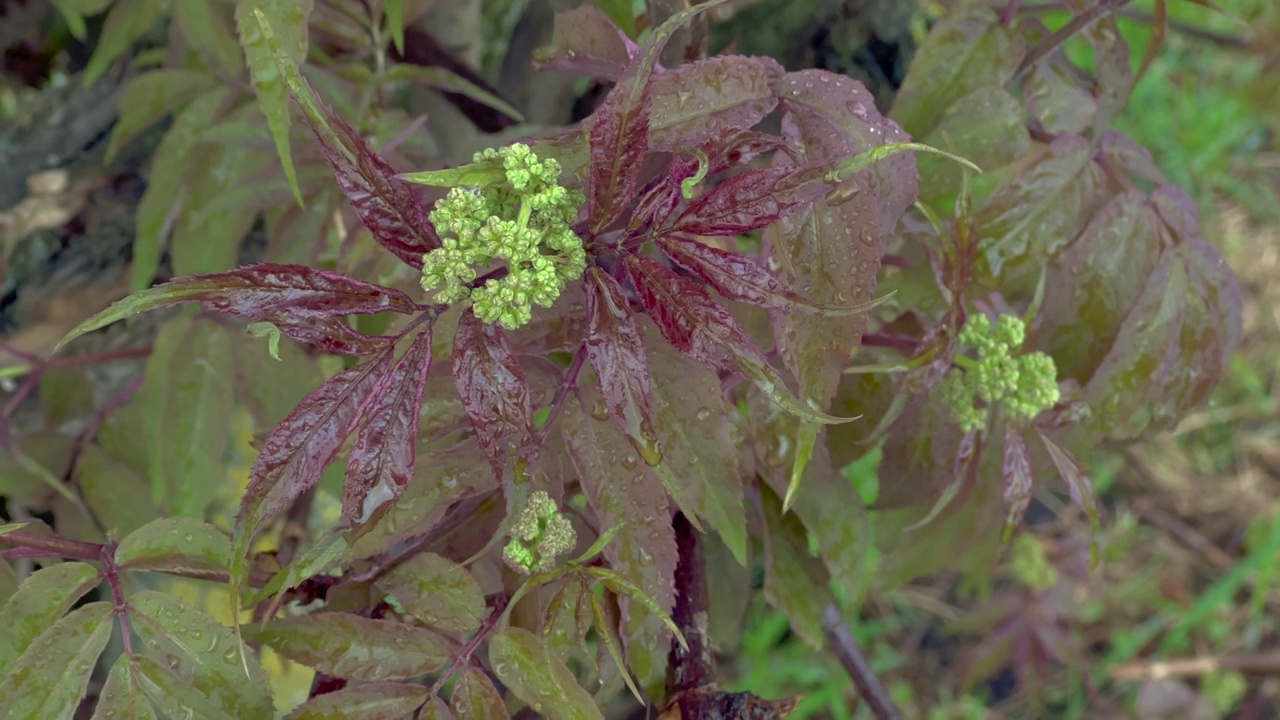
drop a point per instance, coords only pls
(662, 325)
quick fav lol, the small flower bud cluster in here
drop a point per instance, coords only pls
(1024, 385)
(525, 223)
(541, 534)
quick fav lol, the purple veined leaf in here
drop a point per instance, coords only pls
(374, 701)
(755, 199)
(618, 131)
(839, 122)
(1032, 217)
(1127, 154)
(296, 452)
(585, 41)
(494, 391)
(50, 679)
(711, 98)
(1113, 69)
(1016, 473)
(738, 277)
(698, 327)
(739, 150)
(264, 292)
(1074, 476)
(382, 460)
(616, 352)
(970, 48)
(329, 334)
(662, 196)
(391, 208)
(347, 646)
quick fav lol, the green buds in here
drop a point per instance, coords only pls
(516, 213)
(540, 535)
(1024, 385)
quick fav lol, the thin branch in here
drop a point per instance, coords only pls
(464, 656)
(855, 663)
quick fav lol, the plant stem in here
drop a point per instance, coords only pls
(855, 663)
(464, 656)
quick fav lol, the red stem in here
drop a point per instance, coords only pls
(464, 657)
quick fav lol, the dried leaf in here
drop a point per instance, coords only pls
(51, 677)
(201, 657)
(494, 391)
(382, 460)
(374, 701)
(437, 591)
(347, 646)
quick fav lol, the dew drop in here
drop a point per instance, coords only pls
(703, 413)
(645, 557)
(599, 410)
(630, 461)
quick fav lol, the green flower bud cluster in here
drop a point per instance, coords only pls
(524, 222)
(541, 534)
(1024, 385)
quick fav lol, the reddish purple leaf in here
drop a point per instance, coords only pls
(1016, 472)
(586, 42)
(304, 302)
(391, 208)
(755, 199)
(738, 277)
(619, 130)
(381, 463)
(493, 389)
(733, 151)
(661, 197)
(699, 328)
(298, 449)
(711, 98)
(616, 351)
(1074, 475)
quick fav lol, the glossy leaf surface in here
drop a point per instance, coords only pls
(121, 697)
(351, 647)
(40, 600)
(51, 677)
(494, 391)
(525, 664)
(374, 701)
(179, 544)
(616, 352)
(474, 696)
(700, 101)
(437, 591)
(382, 460)
(199, 654)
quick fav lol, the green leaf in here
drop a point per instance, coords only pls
(700, 458)
(200, 656)
(271, 388)
(631, 501)
(207, 239)
(119, 498)
(442, 79)
(620, 585)
(437, 591)
(394, 11)
(435, 709)
(65, 394)
(74, 12)
(39, 601)
(188, 394)
(475, 698)
(178, 544)
(375, 701)
(164, 195)
(608, 635)
(525, 664)
(128, 21)
(121, 697)
(51, 677)
(622, 14)
(9, 580)
(795, 582)
(289, 18)
(347, 646)
(172, 697)
(969, 49)
(151, 96)
(208, 32)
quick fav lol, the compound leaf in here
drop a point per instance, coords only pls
(50, 679)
